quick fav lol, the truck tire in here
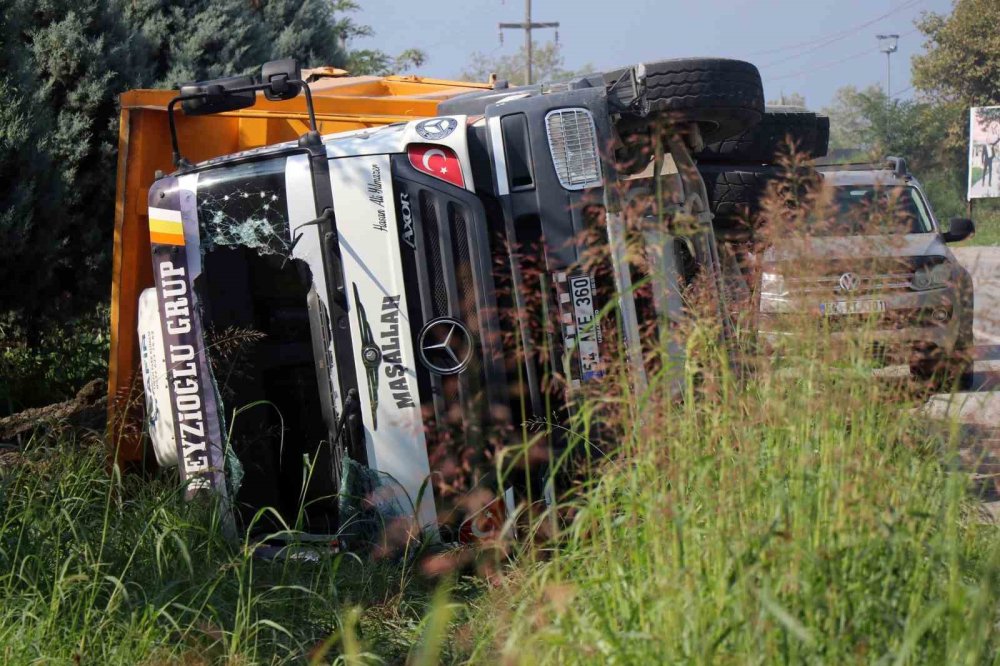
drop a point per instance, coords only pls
(822, 136)
(723, 96)
(808, 132)
(734, 192)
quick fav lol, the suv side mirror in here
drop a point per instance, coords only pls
(215, 96)
(959, 229)
(281, 77)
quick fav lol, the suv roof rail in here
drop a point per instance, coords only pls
(898, 166)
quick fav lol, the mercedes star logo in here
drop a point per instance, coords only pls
(849, 282)
(445, 346)
(436, 129)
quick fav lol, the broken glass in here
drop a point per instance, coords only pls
(245, 205)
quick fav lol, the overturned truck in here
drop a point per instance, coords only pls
(352, 328)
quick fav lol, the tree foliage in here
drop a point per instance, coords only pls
(792, 99)
(962, 62)
(961, 65)
(547, 65)
(63, 64)
(864, 121)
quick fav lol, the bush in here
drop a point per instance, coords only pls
(56, 365)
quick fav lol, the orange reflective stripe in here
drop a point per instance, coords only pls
(163, 238)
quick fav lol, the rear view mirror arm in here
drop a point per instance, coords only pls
(304, 87)
(179, 160)
(182, 163)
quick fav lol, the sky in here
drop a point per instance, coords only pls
(810, 47)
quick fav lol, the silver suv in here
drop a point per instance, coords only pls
(878, 262)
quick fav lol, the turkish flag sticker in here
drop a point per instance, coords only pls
(485, 525)
(438, 161)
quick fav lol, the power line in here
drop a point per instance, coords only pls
(528, 26)
(834, 63)
(812, 45)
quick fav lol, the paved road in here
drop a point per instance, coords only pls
(981, 405)
(978, 410)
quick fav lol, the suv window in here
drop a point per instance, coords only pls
(868, 209)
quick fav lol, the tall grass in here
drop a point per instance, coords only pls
(803, 510)
(803, 516)
(795, 510)
(97, 568)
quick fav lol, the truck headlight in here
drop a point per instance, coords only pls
(773, 284)
(573, 144)
(932, 277)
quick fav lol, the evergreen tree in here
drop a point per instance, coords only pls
(314, 32)
(63, 64)
(81, 59)
(193, 40)
(65, 60)
(28, 186)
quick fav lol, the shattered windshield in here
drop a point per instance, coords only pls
(245, 205)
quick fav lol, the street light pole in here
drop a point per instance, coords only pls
(888, 44)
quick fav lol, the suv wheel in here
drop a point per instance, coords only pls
(948, 372)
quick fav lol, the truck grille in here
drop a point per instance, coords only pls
(448, 274)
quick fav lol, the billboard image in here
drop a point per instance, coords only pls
(984, 152)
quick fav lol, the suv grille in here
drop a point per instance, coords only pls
(867, 284)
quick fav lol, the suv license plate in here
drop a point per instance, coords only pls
(851, 307)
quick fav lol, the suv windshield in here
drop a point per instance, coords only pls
(869, 209)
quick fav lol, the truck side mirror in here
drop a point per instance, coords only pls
(281, 78)
(215, 97)
(959, 229)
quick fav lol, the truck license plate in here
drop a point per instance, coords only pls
(581, 290)
(851, 307)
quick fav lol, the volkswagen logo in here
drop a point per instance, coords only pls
(436, 129)
(849, 282)
(445, 346)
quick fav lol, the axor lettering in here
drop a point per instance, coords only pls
(407, 215)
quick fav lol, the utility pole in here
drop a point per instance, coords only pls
(888, 44)
(528, 26)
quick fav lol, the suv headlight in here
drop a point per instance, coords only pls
(932, 277)
(773, 284)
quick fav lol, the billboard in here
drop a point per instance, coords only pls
(984, 152)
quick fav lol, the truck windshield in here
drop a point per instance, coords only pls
(869, 210)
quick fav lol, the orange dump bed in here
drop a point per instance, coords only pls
(341, 104)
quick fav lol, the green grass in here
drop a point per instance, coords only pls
(947, 192)
(103, 570)
(801, 515)
(986, 215)
(54, 368)
(801, 518)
